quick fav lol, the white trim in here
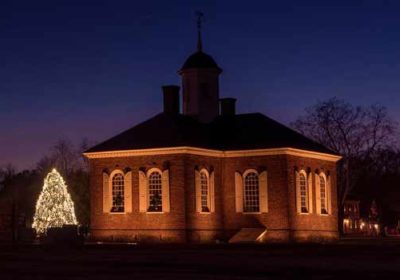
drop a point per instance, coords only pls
(106, 193)
(327, 194)
(110, 187)
(115, 172)
(148, 173)
(212, 191)
(151, 170)
(245, 174)
(128, 192)
(214, 153)
(249, 171)
(263, 183)
(298, 192)
(143, 190)
(205, 171)
(238, 192)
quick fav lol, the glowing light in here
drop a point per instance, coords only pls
(346, 221)
(54, 208)
(376, 226)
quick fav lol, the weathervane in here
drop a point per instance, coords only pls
(200, 19)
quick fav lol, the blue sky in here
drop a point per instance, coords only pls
(91, 69)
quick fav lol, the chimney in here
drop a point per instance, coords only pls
(227, 106)
(171, 99)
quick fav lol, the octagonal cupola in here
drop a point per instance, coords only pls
(200, 83)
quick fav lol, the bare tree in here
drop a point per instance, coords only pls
(7, 172)
(65, 156)
(84, 145)
(357, 133)
(45, 164)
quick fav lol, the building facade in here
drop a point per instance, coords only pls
(208, 174)
(352, 222)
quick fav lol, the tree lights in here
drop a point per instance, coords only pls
(54, 208)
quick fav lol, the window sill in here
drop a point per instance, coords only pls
(304, 214)
(155, 213)
(251, 213)
(204, 213)
(117, 213)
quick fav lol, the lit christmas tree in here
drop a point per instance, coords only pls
(54, 207)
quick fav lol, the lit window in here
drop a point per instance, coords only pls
(204, 192)
(251, 193)
(303, 193)
(155, 192)
(118, 193)
(323, 195)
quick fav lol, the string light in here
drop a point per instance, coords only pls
(54, 208)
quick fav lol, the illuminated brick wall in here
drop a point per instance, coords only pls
(184, 224)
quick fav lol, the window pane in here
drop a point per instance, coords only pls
(303, 194)
(155, 192)
(204, 192)
(323, 195)
(251, 193)
(118, 193)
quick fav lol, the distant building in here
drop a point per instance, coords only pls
(373, 226)
(357, 223)
(352, 223)
(210, 174)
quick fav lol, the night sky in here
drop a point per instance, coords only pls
(77, 68)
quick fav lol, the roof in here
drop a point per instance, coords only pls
(237, 132)
(200, 60)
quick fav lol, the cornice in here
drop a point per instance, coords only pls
(214, 153)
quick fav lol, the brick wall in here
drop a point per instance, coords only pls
(183, 223)
(309, 227)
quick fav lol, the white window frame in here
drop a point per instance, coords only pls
(122, 180)
(309, 193)
(108, 191)
(144, 202)
(245, 174)
(328, 193)
(210, 191)
(149, 172)
(263, 195)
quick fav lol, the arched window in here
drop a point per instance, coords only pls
(251, 193)
(155, 192)
(118, 193)
(204, 188)
(323, 195)
(303, 193)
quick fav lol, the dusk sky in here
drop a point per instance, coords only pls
(78, 68)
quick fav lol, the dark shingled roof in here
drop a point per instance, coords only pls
(238, 132)
(200, 60)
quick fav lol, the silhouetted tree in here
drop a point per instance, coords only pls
(7, 172)
(357, 133)
(22, 189)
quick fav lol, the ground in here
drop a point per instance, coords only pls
(356, 260)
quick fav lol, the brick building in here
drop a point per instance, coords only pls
(210, 174)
